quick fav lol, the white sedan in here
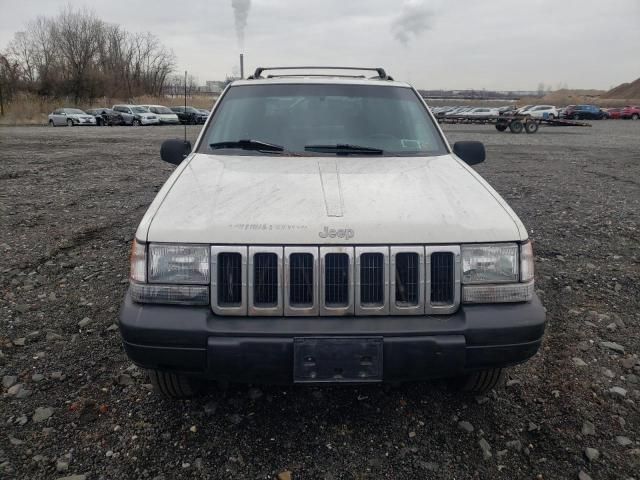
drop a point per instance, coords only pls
(70, 117)
(544, 111)
(482, 112)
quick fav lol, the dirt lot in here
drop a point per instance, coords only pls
(70, 200)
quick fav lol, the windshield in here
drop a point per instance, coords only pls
(191, 110)
(139, 110)
(74, 111)
(295, 116)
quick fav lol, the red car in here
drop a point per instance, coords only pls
(630, 112)
(614, 113)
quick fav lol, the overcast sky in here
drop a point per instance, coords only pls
(493, 44)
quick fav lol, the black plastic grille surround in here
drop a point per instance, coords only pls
(407, 278)
(442, 278)
(301, 279)
(229, 279)
(265, 279)
(336, 279)
(372, 279)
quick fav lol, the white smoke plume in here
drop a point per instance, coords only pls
(414, 19)
(241, 13)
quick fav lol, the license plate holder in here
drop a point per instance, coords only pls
(337, 359)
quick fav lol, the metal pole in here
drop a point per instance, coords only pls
(241, 65)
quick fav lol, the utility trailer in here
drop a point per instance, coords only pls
(515, 123)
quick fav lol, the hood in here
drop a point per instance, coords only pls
(327, 200)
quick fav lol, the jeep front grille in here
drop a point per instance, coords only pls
(301, 279)
(336, 280)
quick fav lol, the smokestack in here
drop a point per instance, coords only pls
(241, 65)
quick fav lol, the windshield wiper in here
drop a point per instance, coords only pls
(344, 148)
(248, 145)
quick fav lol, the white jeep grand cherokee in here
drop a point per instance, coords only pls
(322, 230)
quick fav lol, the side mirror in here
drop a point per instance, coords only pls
(174, 151)
(471, 153)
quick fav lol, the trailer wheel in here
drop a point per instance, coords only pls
(531, 127)
(501, 127)
(516, 126)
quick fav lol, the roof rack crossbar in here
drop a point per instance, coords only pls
(382, 75)
(315, 75)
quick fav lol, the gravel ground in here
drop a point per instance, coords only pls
(72, 404)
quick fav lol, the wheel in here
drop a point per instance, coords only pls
(99, 122)
(174, 385)
(69, 123)
(635, 116)
(501, 127)
(481, 381)
(516, 126)
(531, 127)
(51, 124)
(136, 122)
(551, 116)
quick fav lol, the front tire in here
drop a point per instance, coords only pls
(51, 124)
(136, 122)
(482, 381)
(69, 123)
(635, 116)
(174, 385)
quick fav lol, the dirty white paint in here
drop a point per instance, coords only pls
(221, 199)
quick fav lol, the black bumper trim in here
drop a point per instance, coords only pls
(260, 349)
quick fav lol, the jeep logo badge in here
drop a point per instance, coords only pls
(345, 233)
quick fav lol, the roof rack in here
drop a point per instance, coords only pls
(382, 75)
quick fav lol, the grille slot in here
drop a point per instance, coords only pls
(372, 279)
(442, 278)
(407, 279)
(265, 280)
(301, 279)
(229, 286)
(336, 281)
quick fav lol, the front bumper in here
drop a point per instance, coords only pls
(149, 121)
(193, 340)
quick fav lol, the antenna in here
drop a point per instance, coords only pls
(185, 106)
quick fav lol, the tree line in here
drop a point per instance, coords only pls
(77, 55)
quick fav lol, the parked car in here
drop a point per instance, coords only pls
(136, 115)
(543, 111)
(507, 110)
(189, 115)
(482, 112)
(585, 112)
(164, 114)
(70, 117)
(562, 112)
(630, 112)
(204, 112)
(525, 109)
(614, 113)
(106, 117)
(261, 259)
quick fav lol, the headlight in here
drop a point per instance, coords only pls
(497, 273)
(494, 263)
(179, 264)
(177, 274)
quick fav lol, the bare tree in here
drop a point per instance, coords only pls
(77, 54)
